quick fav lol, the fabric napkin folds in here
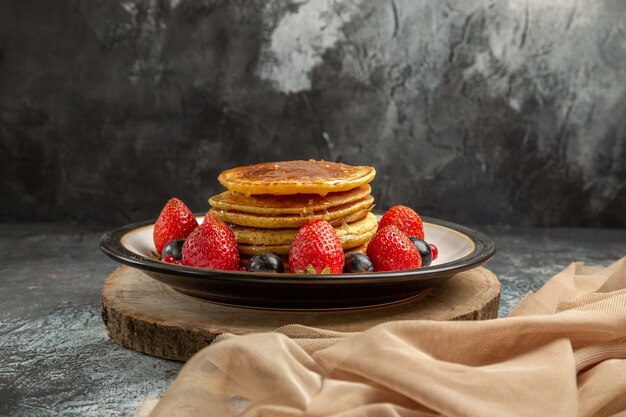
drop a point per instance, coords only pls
(560, 352)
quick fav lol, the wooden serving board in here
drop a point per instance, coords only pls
(148, 316)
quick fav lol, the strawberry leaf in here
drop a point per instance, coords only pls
(311, 271)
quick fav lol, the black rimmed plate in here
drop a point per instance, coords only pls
(460, 248)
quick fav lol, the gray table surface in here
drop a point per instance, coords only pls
(55, 358)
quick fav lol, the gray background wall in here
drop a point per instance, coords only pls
(475, 111)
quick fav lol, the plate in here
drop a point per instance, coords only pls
(460, 248)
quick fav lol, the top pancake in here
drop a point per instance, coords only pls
(296, 177)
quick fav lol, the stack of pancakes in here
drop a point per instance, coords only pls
(266, 204)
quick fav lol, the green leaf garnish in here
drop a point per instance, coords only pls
(311, 271)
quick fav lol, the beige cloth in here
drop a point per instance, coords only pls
(560, 352)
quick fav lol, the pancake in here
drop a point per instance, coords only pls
(274, 237)
(347, 242)
(360, 249)
(346, 213)
(267, 204)
(296, 177)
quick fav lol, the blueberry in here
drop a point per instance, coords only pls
(265, 262)
(422, 246)
(358, 262)
(174, 249)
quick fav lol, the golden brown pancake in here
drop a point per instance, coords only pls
(256, 236)
(347, 213)
(267, 204)
(360, 249)
(296, 177)
(347, 242)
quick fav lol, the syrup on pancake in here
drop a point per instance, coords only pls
(296, 177)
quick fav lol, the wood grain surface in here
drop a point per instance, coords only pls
(148, 316)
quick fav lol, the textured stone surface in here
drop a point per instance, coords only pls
(55, 358)
(477, 111)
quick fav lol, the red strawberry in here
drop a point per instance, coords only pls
(316, 245)
(176, 221)
(407, 220)
(208, 217)
(212, 245)
(434, 251)
(171, 260)
(391, 250)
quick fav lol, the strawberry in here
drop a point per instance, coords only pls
(212, 245)
(171, 260)
(434, 251)
(407, 220)
(316, 248)
(391, 250)
(209, 217)
(176, 221)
